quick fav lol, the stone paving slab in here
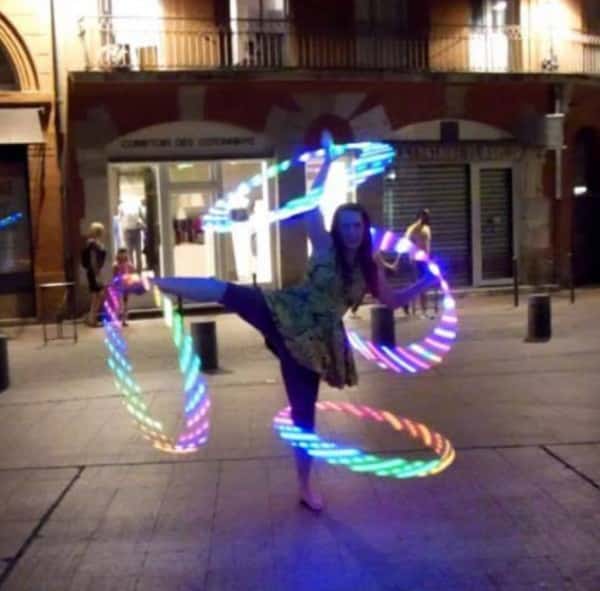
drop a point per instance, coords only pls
(26, 498)
(236, 525)
(518, 510)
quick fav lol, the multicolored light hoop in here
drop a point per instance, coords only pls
(358, 461)
(197, 401)
(11, 219)
(372, 159)
(430, 350)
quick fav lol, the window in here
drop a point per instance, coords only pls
(15, 240)
(591, 16)
(132, 36)
(262, 10)
(8, 80)
(494, 13)
(477, 13)
(381, 14)
(259, 28)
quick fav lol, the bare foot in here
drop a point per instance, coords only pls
(311, 500)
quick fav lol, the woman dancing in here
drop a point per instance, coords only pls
(303, 325)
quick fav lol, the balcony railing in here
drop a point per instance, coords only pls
(111, 43)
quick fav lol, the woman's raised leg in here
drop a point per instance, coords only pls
(198, 289)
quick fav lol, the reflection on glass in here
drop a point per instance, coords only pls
(147, 223)
(193, 249)
(15, 245)
(247, 251)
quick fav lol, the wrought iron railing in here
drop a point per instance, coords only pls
(111, 43)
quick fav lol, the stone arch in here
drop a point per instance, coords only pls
(468, 130)
(19, 55)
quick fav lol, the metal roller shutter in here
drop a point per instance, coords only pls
(444, 190)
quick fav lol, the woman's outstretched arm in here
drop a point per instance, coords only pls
(396, 298)
(313, 219)
(197, 289)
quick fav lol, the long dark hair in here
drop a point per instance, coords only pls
(364, 255)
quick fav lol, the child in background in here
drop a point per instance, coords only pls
(122, 268)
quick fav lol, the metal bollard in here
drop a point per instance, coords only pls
(515, 271)
(571, 280)
(204, 335)
(382, 326)
(539, 318)
(4, 375)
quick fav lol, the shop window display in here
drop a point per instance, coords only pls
(134, 222)
(157, 215)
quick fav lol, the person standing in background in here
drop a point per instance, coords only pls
(123, 269)
(419, 233)
(93, 257)
(131, 219)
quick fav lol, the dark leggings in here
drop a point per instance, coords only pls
(301, 383)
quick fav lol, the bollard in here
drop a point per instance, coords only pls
(539, 319)
(571, 280)
(515, 271)
(382, 326)
(204, 335)
(4, 376)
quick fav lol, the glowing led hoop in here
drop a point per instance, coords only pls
(430, 350)
(11, 219)
(197, 401)
(372, 160)
(358, 461)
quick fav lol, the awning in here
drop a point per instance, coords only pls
(20, 126)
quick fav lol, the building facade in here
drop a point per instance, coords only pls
(490, 105)
(31, 248)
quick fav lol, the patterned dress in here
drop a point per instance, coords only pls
(309, 318)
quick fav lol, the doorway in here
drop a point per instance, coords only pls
(492, 223)
(17, 292)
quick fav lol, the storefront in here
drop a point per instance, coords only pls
(157, 209)
(470, 186)
(151, 182)
(162, 181)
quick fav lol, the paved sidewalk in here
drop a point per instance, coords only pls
(87, 504)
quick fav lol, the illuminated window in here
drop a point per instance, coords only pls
(260, 10)
(489, 40)
(495, 13)
(132, 36)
